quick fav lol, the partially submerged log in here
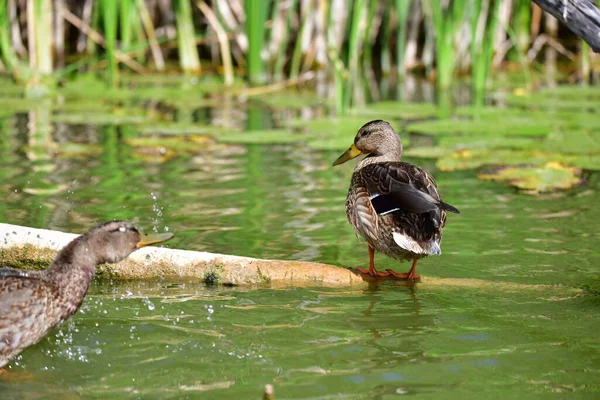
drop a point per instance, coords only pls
(30, 248)
(582, 17)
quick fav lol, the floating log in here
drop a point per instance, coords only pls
(31, 248)
(582, 17)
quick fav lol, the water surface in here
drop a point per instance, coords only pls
(519, 321)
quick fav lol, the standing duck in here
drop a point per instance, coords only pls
(395, 206)
(33, 302)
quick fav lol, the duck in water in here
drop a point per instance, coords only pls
(34, 302)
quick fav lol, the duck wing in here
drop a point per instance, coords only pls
(402, 186)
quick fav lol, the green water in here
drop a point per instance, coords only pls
(520, 321)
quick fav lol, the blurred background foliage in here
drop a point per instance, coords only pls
(289, 42)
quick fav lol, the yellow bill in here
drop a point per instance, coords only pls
(147, 240)
(351, 153)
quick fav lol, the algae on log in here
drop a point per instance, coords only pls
(580, 16)
(30, 248)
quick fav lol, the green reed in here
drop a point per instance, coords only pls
(256, 15)
(359, 34)
(186, 40)
(109, 21)
(522, 23)
(402, 16)
(7, 53)
(446, 22)
(483, 17)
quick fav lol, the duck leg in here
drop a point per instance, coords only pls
(371, 271)
(410, 275)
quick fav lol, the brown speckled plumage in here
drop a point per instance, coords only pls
(33, 302)
(395, 206)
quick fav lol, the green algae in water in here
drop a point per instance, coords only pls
(396, 110)
(510, 309)
(552, 176)
(272, 136)
(439, 341)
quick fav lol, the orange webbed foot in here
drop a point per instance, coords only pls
(373, 273)
(405, 276)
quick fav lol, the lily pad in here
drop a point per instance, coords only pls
(275, 136)
(174, 129)
(78, 150)
(178, 144)
(552, 176)
(573, 142)
(576, 98)
(332, 133)
(397, 110)
(511, 127)
(347, 126)
(289, 99)
(476, 158)
(488, 142)
(116, 117)
(428, 152)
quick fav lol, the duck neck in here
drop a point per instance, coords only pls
(71, 272)
(393, 152)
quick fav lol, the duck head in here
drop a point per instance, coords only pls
(113, 241)
(375, 138)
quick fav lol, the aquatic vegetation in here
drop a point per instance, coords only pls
(397, 110)
(273, 136)
(281, 41)
(161, 148)
(551, 176)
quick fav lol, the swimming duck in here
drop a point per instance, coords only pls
(395, 206)
(34, 302)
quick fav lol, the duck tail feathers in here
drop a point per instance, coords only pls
(448, 207)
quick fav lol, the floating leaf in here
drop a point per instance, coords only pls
(428, 152)
(115, 116)
(552, 176)
(78, 150)
(263, 137)
(488, 142)
(511, 127)
(164, 148)
(332, 133)
(475, 158)
(174, 129)
(291, 99)
(573, 142)
(397, 110)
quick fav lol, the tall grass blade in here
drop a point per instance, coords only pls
(186, 41)
(126, 15)
(402, 9)
(357, 27)
(522, 23)
(483, 28)
(281, 56)
(109, 20)
(7, 53)
(223, 41)
(149, 28)
(297, 54)
(256, 14)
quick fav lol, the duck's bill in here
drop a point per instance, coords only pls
(147, 240)
(351, 153)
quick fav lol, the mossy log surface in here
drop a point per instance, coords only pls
(30, 248)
